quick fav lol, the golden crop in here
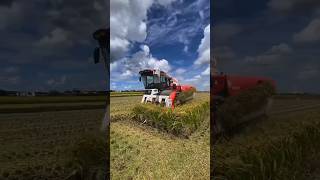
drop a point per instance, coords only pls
(183, 120)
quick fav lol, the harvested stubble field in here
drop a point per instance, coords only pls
(284, 145)
(140, 150)
(47, 144)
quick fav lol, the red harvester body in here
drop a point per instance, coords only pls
(231, 85)
(162, 89)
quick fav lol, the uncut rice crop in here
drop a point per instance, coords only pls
(183, 120)
(231, 112)
(278, 158)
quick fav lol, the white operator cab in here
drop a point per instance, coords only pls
(155, 81)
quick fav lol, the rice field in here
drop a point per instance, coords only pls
(145, 151)
(281, 146)
(45, 144)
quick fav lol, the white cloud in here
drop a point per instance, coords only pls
(57, 81)
(127, 23)
(118, 47)
(223, 53)
(11, 70)
(6, 79)
(282, 48)
(180, 71)
(201, 82)
(165, 2)
(57, 36)
(204, 48)
(9, 14)
(206, 72)
(276, 54)
(129, 67)
(308, 72)
(185, 49)
(309, 33)
(291, 5)
(222, 33)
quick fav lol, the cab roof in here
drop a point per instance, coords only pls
(149, 72)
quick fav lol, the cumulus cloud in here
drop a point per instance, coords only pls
(129, 67)
(200, 81)
(293, 5)
(8, 79)
(57, 37)
(222, 33)
(309, 33)
(57, 81)
(52, 34)
(308, 72)
(178, 24)
(206, 72)
(10, 70)
(223, 53)
(180, 71)
(52, 27)
(276, 54)
(127, 24)
(9, 13)
(165, 2)
(128, 21)
(204, 48)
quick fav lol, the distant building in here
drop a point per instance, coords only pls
(41, 93)
(25, 93)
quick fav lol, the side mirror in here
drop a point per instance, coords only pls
(96, 55)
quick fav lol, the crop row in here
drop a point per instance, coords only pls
(51, 108)
(76, 157)
(50, 99)
(183, 120)
(235, 109)
(277, 158)
(40, 145)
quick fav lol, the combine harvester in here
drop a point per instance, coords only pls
(164, 90)
(226, 86)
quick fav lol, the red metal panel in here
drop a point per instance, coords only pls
(237, 84)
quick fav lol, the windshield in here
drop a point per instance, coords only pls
(147, 80)
(152, 82)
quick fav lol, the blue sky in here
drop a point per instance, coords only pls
(273, 38)
(173, 35)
